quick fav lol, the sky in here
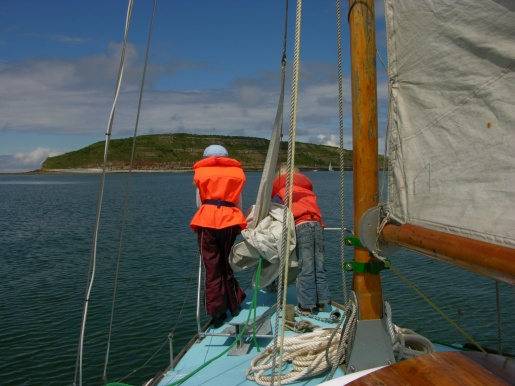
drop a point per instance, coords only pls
(213, 68)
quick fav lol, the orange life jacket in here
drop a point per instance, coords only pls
(304, 202)
(220, 181)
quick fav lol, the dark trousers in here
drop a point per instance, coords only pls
(221, 290)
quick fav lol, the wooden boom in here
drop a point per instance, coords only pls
(486, 259)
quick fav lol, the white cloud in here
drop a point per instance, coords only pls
(35, 157)
(329, 140)
(23, 162)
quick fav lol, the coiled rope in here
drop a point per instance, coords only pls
(406, 343)
(314, 353)
(310, 353)
(306, 352)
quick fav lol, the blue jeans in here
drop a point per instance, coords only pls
(312, 288)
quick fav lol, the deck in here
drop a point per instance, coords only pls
(230, 370)
(215, 358)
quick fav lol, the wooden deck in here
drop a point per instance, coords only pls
(445, 368)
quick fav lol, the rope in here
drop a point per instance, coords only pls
(300, 327)
(285, 233)
(351, 312)
(310, 354)
(306, 352)
(342, 154)
(93, 255)
(313, 353)
(331, 319)
(410, 344)
(284, 261)
(406, 343)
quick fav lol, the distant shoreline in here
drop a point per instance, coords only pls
(117, 171)
(99, 171)
(114, 171)
(92, 171)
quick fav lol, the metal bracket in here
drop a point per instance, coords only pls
(353, 241)
(264, 328)
(373, 267)
(367, 231)
(371, 345)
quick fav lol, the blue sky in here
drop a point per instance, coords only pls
(214, 68)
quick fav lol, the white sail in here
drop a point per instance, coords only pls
(452, 116)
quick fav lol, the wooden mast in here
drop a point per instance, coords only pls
(366, 286)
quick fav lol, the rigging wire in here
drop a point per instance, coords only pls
(93, 255)
(498, 304)
(127, 190)
(146, 363)
(423, 296)
(384, 166)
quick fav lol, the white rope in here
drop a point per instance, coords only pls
(410, 344)
(306, 353)
(406, 343)
(316, 352)
(310, 354)
(285, 260)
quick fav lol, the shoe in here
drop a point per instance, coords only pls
(218, 320)
(320, 307)
(307, 310)
(236, 311)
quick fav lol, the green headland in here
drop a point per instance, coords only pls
(178, 152)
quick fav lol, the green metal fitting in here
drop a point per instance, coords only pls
(353, 241)
(374, 267)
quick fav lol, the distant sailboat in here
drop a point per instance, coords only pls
(330, 167)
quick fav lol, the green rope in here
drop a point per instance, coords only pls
(117, 384)
(252, 307)
(254, 303)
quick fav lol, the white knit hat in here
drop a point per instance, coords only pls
(215, 151)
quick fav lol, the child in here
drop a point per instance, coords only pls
(219, 180)
(312, 287)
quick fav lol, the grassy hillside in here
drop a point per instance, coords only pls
(181, 151)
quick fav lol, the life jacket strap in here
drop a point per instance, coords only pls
(219, 203)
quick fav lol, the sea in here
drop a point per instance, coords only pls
(145, 277)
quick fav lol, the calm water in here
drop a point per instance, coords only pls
(46, 229)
